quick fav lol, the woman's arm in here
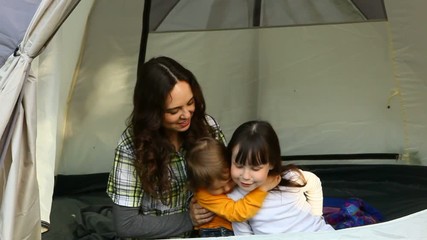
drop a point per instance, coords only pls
(128, 222)
(314, 193)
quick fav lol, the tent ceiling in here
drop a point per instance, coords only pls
(187, 15)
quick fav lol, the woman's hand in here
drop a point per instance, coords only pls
(198, 214)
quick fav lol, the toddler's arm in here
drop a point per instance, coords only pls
(233, 211)
(240, 210)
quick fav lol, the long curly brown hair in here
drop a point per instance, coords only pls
(152, 146)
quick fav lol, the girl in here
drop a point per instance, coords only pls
(147, 183)
(294, 206)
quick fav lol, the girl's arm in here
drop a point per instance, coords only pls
(314, 193)
(242, 228)
(233, 211)
(216, 129)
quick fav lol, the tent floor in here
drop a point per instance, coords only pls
(82, 210)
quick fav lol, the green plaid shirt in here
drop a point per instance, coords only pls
(124, 186)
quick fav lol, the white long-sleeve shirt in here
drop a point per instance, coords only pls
(292, 209)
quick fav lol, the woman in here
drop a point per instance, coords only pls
(148, 181)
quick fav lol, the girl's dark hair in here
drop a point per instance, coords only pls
(152, 146)
(258, 144)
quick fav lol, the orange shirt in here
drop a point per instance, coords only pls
(227, 210)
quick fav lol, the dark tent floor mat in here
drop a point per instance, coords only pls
(395, 190)
(82, 210)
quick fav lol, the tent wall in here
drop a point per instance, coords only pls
(344, 75)
(325, 88)
(102, 88)
(19, 197)
(56, 70)
(341, 74)
(409, 52)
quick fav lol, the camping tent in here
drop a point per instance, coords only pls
(337, 84)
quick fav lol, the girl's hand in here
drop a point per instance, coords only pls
(270, 183)
(198, 214)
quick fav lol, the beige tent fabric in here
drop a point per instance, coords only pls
(53, 90)
(326, 87)
(20, 212)
(408, 50)
(411, 227)
(391, 71)
(20, 204)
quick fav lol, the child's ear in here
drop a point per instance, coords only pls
(271, 167)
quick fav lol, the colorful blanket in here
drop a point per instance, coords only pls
(351, 212)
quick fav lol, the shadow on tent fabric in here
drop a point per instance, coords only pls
(352, 212)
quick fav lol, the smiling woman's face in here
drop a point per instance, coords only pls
(179, 108)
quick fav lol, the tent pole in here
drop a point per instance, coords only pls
(144, 35)
(257, 14)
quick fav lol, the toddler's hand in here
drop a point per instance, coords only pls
(270, 183)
